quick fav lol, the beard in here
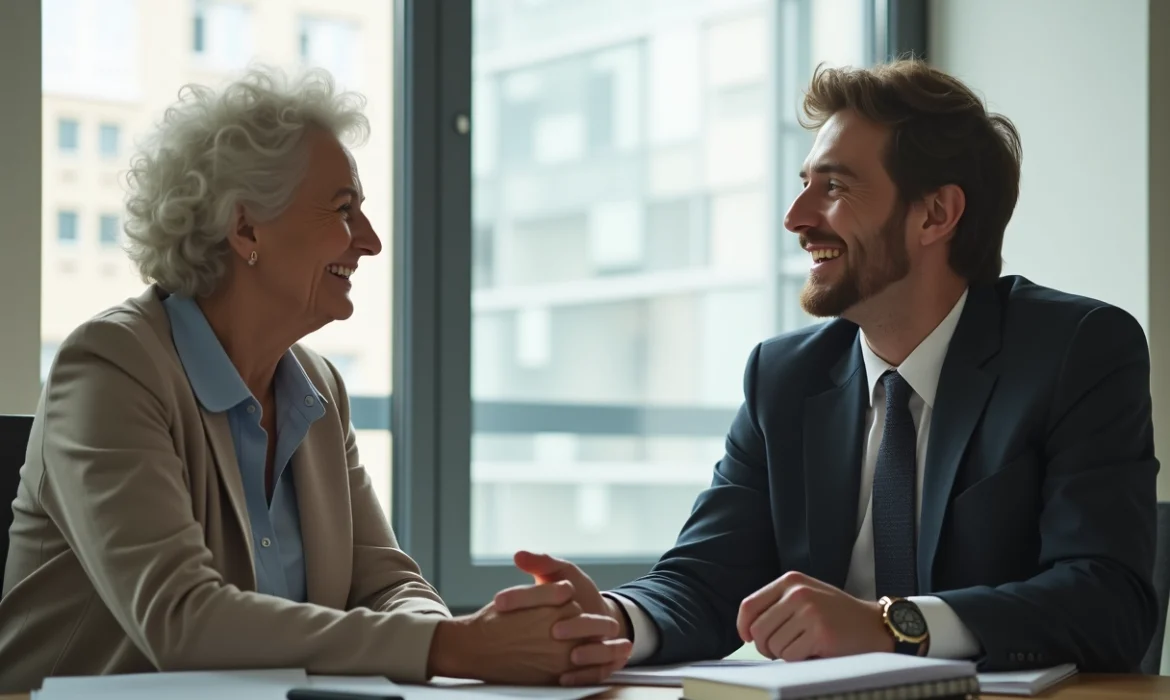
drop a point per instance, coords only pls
(869, 268)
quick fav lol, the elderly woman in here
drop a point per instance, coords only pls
(192, 496)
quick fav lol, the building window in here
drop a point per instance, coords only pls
(333, 45)
(67, 227)
(304, 41)
(108, 136)
(48, 354)
(221, 33)
(108, 230)
(67, 135)
(198, 28)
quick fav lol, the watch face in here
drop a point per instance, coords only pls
(907, 619)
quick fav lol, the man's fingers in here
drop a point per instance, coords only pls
(772, 619)
(535, 596)
(755, 604)
(542, 566)
(798, 649)
(586, 627)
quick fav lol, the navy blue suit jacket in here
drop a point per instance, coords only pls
(1038, 499)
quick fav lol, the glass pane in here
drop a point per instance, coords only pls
(632, 165)
(112, 66)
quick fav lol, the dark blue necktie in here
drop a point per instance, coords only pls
(894, 481)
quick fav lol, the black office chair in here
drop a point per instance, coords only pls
(1152, 663)
(14, 432)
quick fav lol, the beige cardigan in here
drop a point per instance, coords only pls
(130, 549)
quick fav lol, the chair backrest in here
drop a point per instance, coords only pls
(14, 431)
(1152, 663)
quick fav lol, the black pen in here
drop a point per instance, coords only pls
(319, 694)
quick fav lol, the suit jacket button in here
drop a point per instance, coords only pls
(1031, 657)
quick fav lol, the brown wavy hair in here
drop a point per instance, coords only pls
(940, 133)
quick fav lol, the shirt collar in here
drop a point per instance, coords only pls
(214, 379)
(923, 365)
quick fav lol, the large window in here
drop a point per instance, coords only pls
(114, 65)
(630, 164)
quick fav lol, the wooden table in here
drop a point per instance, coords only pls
(1081, 687)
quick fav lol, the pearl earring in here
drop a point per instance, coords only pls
(252, 259)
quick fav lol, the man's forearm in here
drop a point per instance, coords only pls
(1102, 621)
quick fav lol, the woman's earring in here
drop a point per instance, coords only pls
(252, 259)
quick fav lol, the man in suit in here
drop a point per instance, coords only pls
(957, 465)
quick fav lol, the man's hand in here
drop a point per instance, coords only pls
(797, 617)
(551, 642)
(547, 570)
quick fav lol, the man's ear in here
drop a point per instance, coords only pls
(241, 235)
(941, 211)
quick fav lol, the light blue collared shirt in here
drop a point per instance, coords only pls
(276, 527)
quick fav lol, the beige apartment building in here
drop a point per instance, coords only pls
(112, 66)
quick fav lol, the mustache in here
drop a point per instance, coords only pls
(819, 236)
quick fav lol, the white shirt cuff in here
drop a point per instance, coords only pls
(644, 631)
(949, 637)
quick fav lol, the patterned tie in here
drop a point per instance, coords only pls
(894, 480)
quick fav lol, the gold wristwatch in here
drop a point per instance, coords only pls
(906, 623)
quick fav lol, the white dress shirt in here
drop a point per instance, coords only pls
(949, 637)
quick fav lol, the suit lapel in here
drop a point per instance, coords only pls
(834, 428)
(321, 494)
(964, 387)
(219, 435)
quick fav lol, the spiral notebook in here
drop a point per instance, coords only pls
(863, 677)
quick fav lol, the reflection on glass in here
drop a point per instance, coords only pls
(111, 66)
(632, 164)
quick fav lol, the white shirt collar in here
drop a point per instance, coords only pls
(922, 367)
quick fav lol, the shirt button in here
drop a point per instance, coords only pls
(308, 400)
(251, 408)
(265, 542)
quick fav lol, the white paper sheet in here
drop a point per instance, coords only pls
(374, 685)
(275, 684)
(186, 685)
(445, 688)
(1024, 682)
(673, 675)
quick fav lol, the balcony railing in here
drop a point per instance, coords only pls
(520, 417)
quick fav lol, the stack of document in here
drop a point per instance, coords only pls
(274, 684)
(1024, 682)
(1021, 683)
(879, 676)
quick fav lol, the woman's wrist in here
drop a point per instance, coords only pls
(451, 651)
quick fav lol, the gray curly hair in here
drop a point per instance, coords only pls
(214, 151)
